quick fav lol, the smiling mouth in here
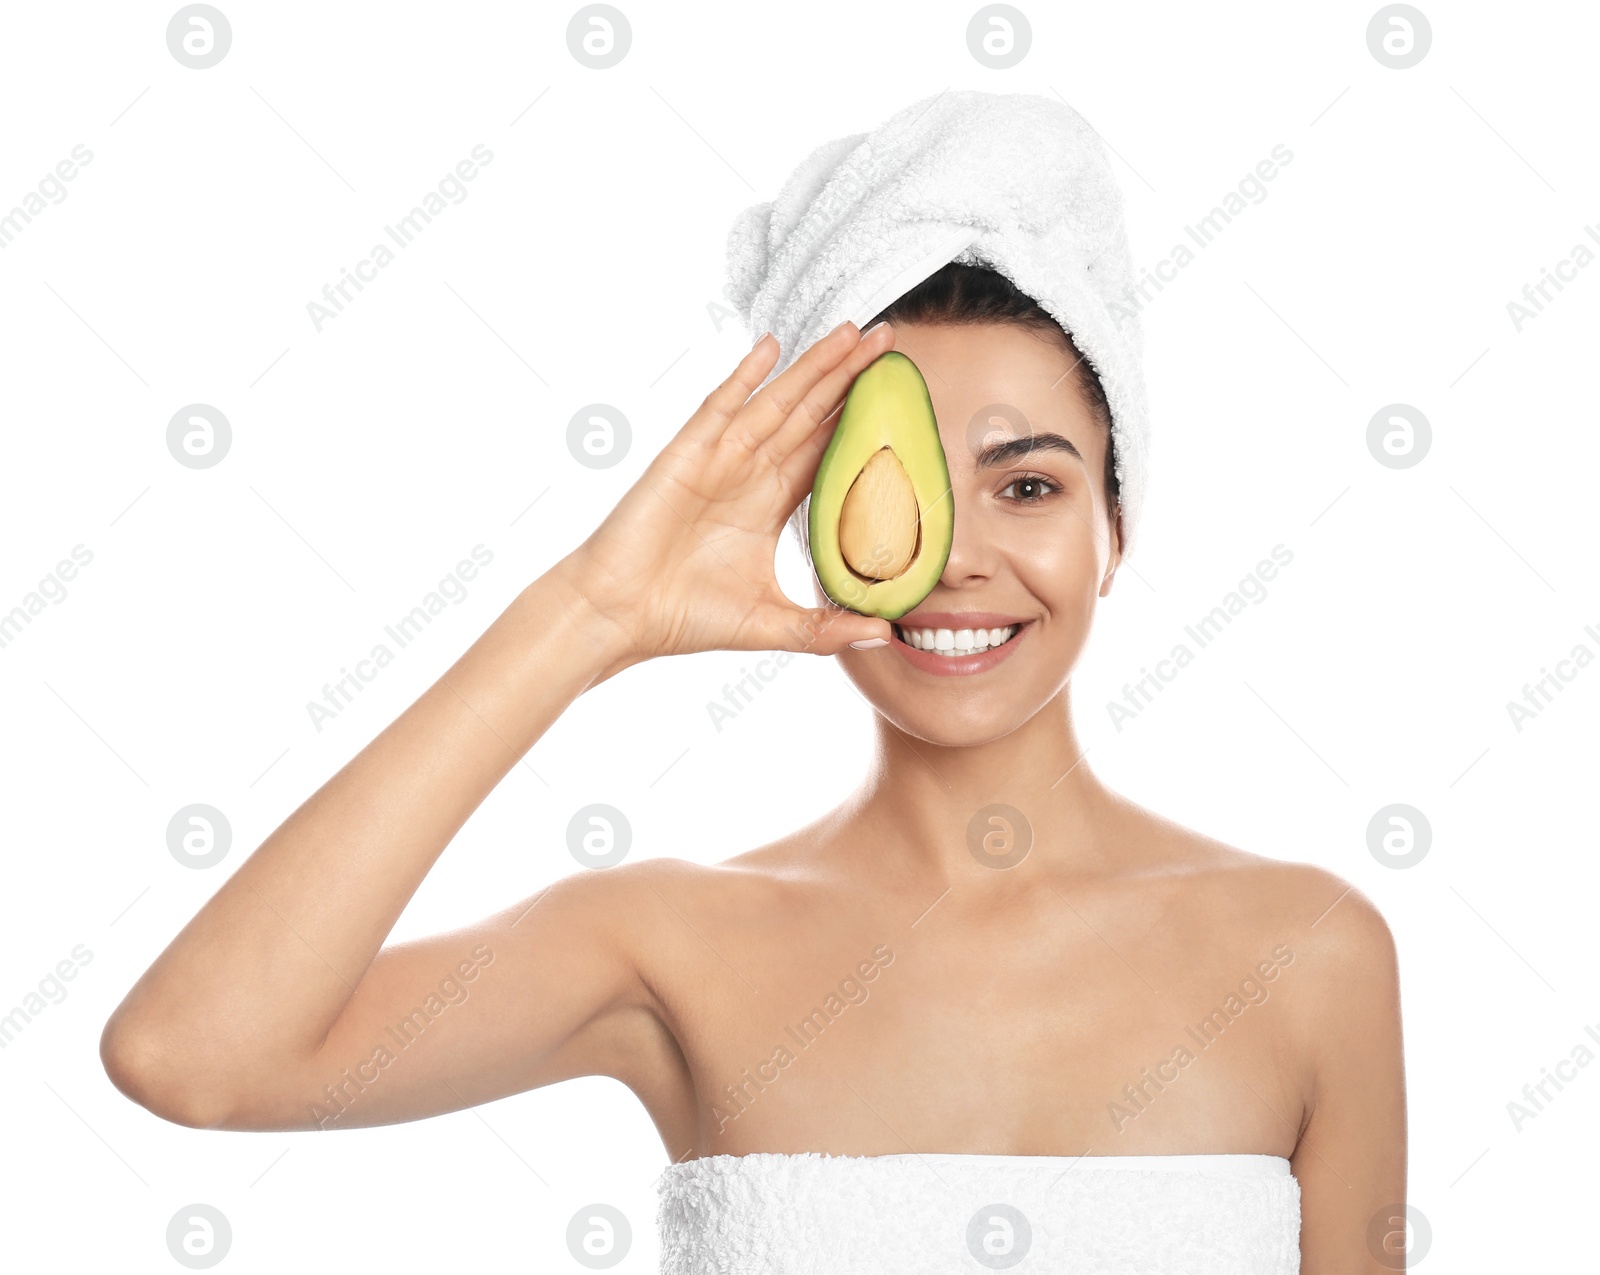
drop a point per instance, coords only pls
(953, 643)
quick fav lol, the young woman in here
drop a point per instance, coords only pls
(985, 1006)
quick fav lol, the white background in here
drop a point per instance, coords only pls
(585, 266)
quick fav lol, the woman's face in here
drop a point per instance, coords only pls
(1034, 542)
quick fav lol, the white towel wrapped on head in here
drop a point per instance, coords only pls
(1014, 181)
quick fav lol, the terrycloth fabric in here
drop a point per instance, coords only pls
(1015, 181)
(812, 1214)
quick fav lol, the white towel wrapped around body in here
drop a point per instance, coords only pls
(921, 1214)
(1015, 181)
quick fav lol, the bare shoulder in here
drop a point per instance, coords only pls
(650, 905)
(638, 893)
(660, 876)
(1327, 913)
(1337, 978)
(1346, 964)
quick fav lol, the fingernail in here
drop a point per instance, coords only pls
(760, 339)
(873, 328)
(866, 644)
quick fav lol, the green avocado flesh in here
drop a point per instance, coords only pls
(881, 518)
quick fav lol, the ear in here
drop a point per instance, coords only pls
(1114, 558)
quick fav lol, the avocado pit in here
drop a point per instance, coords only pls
(879, 519)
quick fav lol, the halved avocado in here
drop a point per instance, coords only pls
(881, 519)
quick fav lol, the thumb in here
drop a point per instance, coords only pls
(827, 630)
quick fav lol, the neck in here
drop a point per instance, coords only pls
(957, 815)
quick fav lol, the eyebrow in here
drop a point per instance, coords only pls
(1011, 449)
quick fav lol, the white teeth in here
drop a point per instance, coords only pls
(954, 642)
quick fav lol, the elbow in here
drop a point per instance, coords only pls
(140, 1065)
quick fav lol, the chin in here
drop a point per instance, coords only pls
(960, 718)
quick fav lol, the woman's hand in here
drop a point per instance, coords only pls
(238, 1024)
(685, 561)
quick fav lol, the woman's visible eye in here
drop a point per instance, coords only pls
(1038, 484)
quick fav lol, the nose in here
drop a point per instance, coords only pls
(972, 551)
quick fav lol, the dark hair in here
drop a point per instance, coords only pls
(963, 293)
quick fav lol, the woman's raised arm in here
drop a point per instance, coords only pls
(279, 987)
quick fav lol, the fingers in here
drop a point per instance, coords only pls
(770, 408)
(819, 403)
(824, 630)
(724, 402)
(795, 389)
(799, 468)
